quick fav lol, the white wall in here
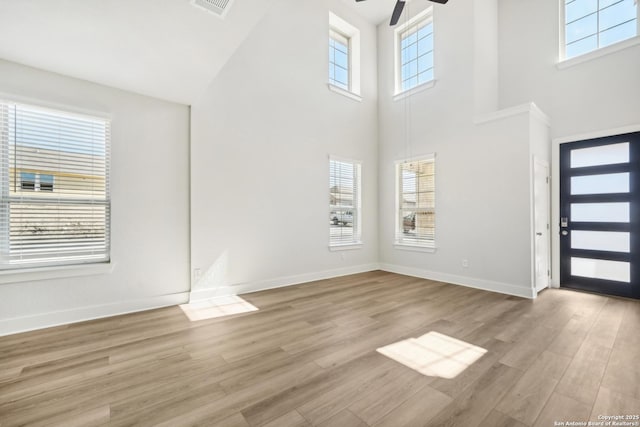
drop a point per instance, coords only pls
(600, 94)
(149, 214)
(261, 137)
(483, 183)
(597, 97)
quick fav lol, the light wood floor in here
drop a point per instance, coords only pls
(308, 357)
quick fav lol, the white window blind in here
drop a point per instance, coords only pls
(344, 202)
(55, 205)
(415, 214)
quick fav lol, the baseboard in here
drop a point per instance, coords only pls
(57, 318)
(279, 282)
(471, 282)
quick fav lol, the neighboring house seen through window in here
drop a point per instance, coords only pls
(54, 203)
(415, 202)
(344, 202)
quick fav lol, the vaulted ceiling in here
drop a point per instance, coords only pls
(166, 49)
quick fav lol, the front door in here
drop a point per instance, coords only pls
(600, 215)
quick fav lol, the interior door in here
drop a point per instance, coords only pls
(600, 215)
(541, 223)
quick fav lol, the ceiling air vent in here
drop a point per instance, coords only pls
(217, 7)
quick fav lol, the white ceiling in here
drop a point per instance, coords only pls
(167, 49)
(374, 11)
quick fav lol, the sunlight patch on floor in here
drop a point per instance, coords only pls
(217, 307)
(434, 354)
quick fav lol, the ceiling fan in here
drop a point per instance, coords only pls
(397, 10)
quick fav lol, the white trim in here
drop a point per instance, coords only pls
(530, 108)
(344, 92)
(470, 282)
(40, 321)
(418, 158)
(416, 89)
(278, 282)
(415, 248)
(589, 56)
(346, 247)
(597, 134)
(57, 272)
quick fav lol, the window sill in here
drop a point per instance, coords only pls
(420, 88)
(414, 248)
(566, 63)
(48, 273)
(347, 247)
(344, 92)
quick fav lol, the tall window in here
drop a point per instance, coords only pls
(414, 44)
(415, 213)
(54, 201)
(344, 57)
(592, 24)
(344, 203)
(339, 60)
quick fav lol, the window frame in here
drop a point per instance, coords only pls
(64, 267)
(565, 61)
(356, 241)
(400, 242)
(352, 34)
(424, 18)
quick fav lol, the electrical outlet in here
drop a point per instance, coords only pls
(465, 263)
(197, 273)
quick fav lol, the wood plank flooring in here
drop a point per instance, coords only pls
(308, 357)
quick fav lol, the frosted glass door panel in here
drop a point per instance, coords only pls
(602, 155)
(601, 269)
(600, 212)
(613, 241)
(600, 184)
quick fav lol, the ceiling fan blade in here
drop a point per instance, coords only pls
(397, 11)
(440, 1)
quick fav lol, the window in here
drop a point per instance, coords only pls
(338, 60)
(344, 202)
(415, 213)
(54, 203)
(30, 181)
(27, 181)
(414, 45)
(593, 24)
(344, 57)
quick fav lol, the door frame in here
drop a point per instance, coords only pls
(543, 162)
(555, 189)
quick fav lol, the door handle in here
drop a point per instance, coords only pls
(539, 233)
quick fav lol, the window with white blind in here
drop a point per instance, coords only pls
(54, 204)
(344, 203)
(593, 24)
(415, 202)
(414, 45)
